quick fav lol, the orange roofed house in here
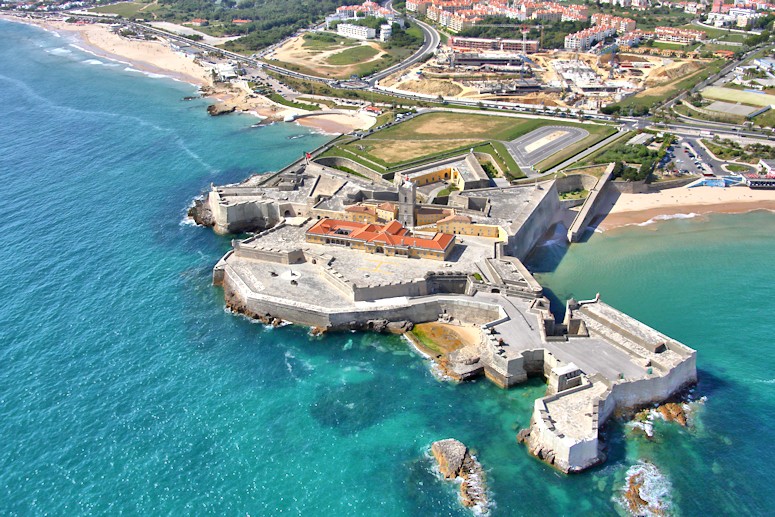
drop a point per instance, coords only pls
(392, 239)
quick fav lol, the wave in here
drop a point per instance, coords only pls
(647, 491)
(97, 62)
(59, 51)
(667, 217)
(148, 74)
(764, 381)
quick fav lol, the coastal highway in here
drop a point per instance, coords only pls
(431, 41)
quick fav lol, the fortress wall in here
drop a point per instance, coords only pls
(589, 208)
(574, 182)
(272, 256)
(536, 224)
(340, 161)
(570, 454)
(336, 279)
(417, 311)
(656, 388)
(234, 216)
(415, 287)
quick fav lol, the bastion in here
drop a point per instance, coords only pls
(596, 361)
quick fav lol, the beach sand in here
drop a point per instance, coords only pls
(157, 57)
(640, 208)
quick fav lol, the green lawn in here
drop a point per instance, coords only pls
(323, 41)
(352, 55)
(130, 9)
(671, 46)
(766, 119)
(279, 99)
(435, 136)
(647, 98)
(730, 95)
(591, 159)
(733, 167)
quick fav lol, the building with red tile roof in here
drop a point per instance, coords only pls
(391, 239)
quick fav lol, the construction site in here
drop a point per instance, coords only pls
(517, 71)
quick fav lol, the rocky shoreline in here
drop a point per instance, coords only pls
(456, 462)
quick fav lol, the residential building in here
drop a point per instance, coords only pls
(391, 239)
(360, 32)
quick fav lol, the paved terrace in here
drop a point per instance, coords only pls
(366, 269)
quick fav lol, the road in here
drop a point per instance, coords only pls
(431, 41)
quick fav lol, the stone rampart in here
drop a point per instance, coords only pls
(339, 161)
(532, 226)
(590, 206)
(426, 308)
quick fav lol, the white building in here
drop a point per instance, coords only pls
(385, 32)
(349, 30)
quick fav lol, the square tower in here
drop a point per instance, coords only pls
(407, 202)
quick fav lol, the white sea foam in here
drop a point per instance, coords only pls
(764, 381)
(655, 490)
(59, 51)
(667, 217)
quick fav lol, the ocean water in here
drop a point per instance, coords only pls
(125, 386)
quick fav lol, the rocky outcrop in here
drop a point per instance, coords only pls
(673, 412)
(201, 213)
(647, 491)
(220, 109)
(456, 462)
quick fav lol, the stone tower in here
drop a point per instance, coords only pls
(407, 200)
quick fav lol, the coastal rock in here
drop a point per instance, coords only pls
(317, 331)
(220, 109)
(523, 435)
(456, 462)
(201, 213)
(673, 412)
(399, 327)
(647, 491)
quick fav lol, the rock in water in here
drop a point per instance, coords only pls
(220, 109)
(647, 491)
(673, 412)
(455, 461)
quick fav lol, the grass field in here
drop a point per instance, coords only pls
(130, 9)
(730, 95)
(352, 55)
(766, 119)
(714, 117)
(439, 135)
(323, 42)
(652, 96)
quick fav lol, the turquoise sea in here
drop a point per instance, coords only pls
(126, 388)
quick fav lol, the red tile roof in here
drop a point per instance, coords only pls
(392, 233)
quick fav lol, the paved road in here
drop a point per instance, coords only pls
(526, 159)
(583, 154)
(431, 41)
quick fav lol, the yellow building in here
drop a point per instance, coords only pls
(387, 212)
(463, 225)
(425, 216)
(360, 214)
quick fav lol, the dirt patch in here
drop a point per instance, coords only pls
(672, 72)
(431, 87)
(444, 338)
(450, 125)
(394, 151)
(316, 61)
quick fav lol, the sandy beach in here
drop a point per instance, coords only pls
(157, 57)
(640, 208)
